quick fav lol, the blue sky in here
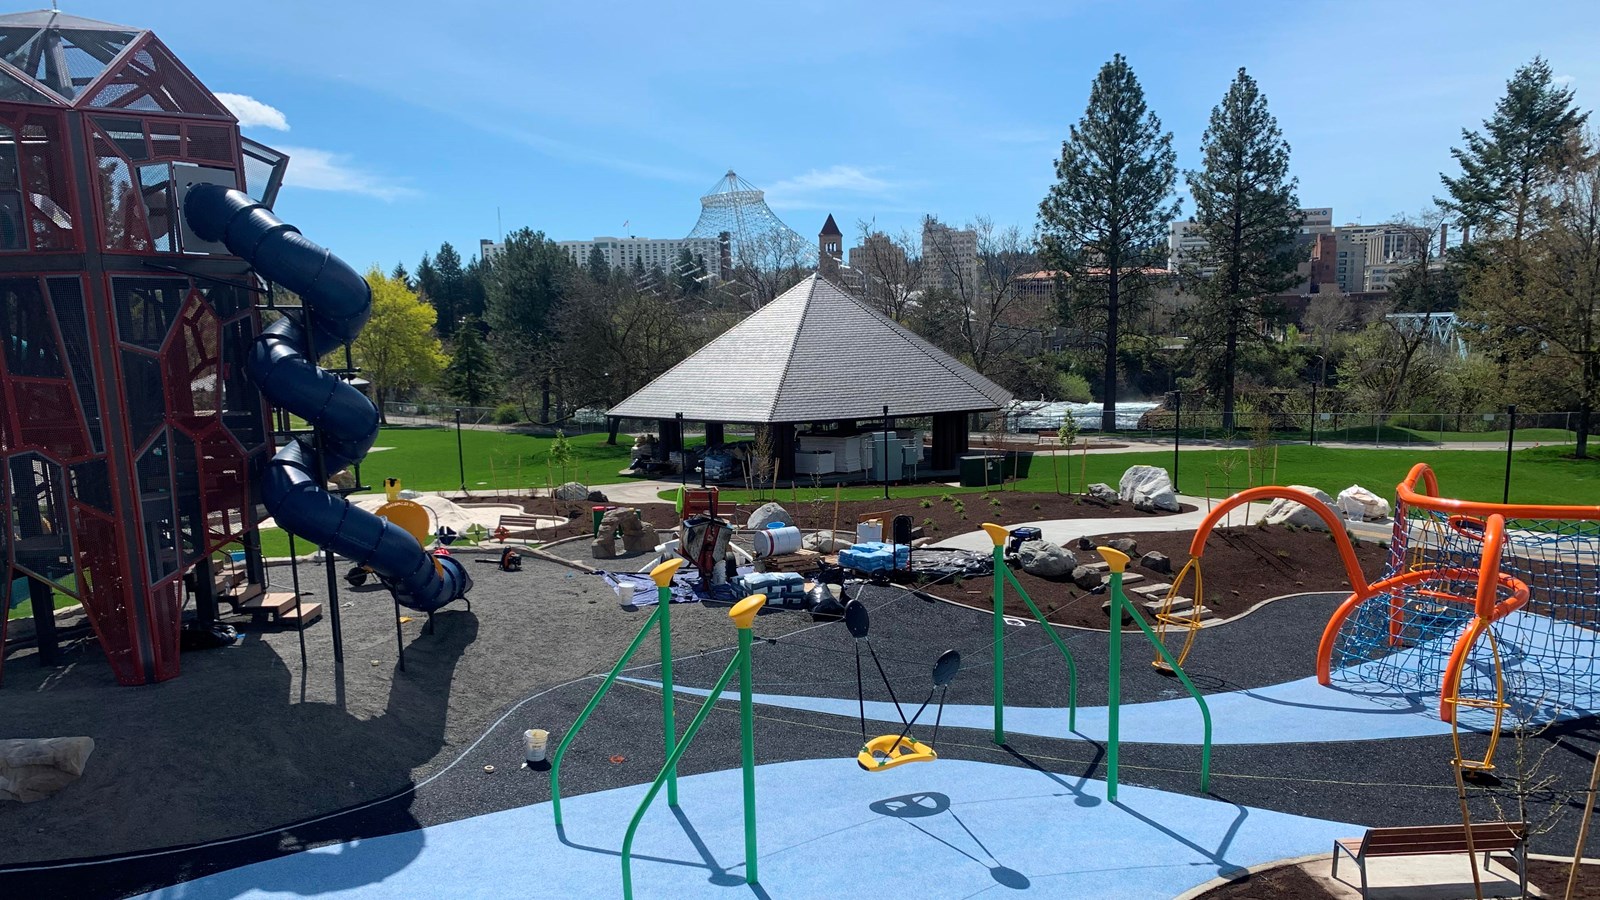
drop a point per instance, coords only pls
(413, 123)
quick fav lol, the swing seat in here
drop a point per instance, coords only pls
(890, 750)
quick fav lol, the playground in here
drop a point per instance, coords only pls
(273, 675)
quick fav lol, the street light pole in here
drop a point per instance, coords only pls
(1322, 373)
(1177, 433)
(461, 459)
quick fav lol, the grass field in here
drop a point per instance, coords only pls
(24, 610)
(425, 459)
(1538, 475)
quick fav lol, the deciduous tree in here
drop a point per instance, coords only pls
(397, 350)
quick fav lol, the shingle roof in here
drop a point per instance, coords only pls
(813, 354)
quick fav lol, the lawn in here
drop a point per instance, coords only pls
(425, 459)
(1538, 475)
(24, 610)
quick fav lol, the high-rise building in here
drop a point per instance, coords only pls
(621, 253)
(949, 256)
(1186, 245)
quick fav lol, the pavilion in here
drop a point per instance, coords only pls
(816, 356)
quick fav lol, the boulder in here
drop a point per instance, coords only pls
(1103, 492)
(572, 490)
(637, 536)
(1358, 502)
(1127, 617)
(1125, 545)
(1289, 512)
(767, 514)
(597, 497)
(1085, 544)
(1086, 578)
(34, 768)
(1046, 559)
(1148, 487)
(1156, 561)
(827, 541)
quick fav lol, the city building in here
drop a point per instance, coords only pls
(621, 253)
(1350, 260)
(1185, 243)
(949, 256)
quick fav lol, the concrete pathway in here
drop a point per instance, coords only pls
(1064, 531)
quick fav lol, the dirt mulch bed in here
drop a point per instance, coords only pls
(1241, 567)
(663, 516)
(1292, 883)
(940, 518)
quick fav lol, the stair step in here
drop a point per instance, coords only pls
(310, 611)
(268, 602)
(1153, 590)
(1099, 566)
(1179, 604)
(1127, 578)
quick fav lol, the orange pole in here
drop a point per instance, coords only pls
(1347, 553)
(1430, 499)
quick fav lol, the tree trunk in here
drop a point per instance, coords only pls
(612, 424)
(1108, 409)
(544, 400)
(1584, 412)
(1591, 381)
(1230, 349)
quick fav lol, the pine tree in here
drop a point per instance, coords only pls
(470, 376)
(1104, 222)
(400, 274)
(599, 269)
(1522, 148)
(1247, 211)
(447, 293)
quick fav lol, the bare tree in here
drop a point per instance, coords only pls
(1326, 315)
(989, 313)
(890, 270)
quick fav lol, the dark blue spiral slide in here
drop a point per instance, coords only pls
(338, 302)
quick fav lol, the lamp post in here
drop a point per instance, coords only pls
(461, 459)
(1322, 373)
(1177, 433)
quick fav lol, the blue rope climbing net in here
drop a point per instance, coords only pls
(1396, 645)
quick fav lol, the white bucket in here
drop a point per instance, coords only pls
(776, 541)
(534, 742)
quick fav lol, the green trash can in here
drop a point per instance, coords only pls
(972, 471)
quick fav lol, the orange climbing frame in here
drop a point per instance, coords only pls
(1347, 553)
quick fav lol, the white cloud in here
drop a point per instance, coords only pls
(252, 113)
(321, 170)
(819, 186)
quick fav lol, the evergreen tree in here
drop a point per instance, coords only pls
(427, 285)
(598, 268)
(524, 289)
(685, 275)
(474, 301)
(1522, 148)
(400, 274)
(1246, 209)
(470, 376)
(448, 288)
(1105, 220)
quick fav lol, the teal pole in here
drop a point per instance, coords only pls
(668, 727)
(1050, 631)
(999, 639)
(1114, 686)
(747, 742)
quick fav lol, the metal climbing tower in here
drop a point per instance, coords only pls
(735, 212)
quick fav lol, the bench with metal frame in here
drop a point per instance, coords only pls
(1432, 840)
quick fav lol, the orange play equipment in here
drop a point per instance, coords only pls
(1439, 603)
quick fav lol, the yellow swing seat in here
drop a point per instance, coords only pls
(890, 750)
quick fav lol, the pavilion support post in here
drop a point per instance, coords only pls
(949, 439)
(714, 434)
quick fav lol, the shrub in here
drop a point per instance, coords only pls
(926, 503)
(507, 414)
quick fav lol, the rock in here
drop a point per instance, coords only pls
(919, 543)
(1086, 578)
(34, 768)
(1288, 512)
(1124, 545)
(637, 536)
(1103, 492)
(1085, 544)
(1046, 559)
(572, 490)
(1127, 617)
(597, 497)
(768, 513)
(1156, 561)
(1357, 501)
(1148, 487)
(342, 481)
(409, 494)
(826, 541)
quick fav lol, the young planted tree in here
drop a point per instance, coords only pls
(397, 350)
(1246, 208)
(1104, 221)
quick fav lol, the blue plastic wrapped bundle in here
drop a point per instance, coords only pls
(873, 556)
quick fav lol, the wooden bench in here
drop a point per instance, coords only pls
(1429, 840)
(512, 523)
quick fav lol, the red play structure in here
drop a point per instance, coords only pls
(128, 431)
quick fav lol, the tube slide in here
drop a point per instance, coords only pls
(338, 303)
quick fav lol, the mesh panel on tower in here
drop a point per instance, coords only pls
(127, 134)
(64, 60)
(241, 402)
(66, 295)
(44, 168)
(147, 307)
(153, 472)
(186, 478)
(42, 542)
(153, 81)
(30, 342)
(124, 224)
(141, 386)
(105, 591)
(91, 484)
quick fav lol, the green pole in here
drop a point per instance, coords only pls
(668, 727)
(1114, 686)
(999, 638)
(747, 747)
(561, 749)
(1050, 631)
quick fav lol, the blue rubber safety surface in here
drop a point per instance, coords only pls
(1296, 712)
(946, 829)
